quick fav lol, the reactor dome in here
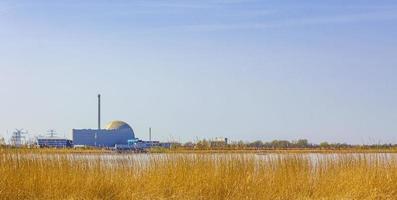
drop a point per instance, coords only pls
(118, 125)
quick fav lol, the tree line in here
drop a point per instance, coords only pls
(275, 144)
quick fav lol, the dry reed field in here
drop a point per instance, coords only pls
(196, 176)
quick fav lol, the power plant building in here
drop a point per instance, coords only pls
(54, 142)
(115, 133)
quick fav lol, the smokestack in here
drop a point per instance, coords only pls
(150, 134)
(99, 111)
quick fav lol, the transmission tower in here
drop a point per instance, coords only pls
(51, 133)
(17, 136)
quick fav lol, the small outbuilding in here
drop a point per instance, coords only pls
(54, 142)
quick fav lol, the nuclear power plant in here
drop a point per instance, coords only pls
(117, 134)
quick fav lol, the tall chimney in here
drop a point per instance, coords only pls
(99, 111)
(150, 134)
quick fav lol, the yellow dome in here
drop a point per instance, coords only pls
(118, 125)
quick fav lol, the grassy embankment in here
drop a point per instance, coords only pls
(196, 176)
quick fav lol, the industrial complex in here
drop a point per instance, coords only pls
(116, 135)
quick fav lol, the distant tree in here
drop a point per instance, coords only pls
(238, 145)
(324, 145)
(256, 144)
(280, 144)
(302, 143)
(341, 145)
(267, 145)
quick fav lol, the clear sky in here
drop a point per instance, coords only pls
(242, 69)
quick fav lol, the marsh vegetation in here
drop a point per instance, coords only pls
(197, 176)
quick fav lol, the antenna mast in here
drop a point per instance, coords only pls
(150, 134)
(99, 111)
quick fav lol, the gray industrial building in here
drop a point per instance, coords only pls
(115, 133)
(54, 142)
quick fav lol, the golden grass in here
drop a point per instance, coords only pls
(196, 176)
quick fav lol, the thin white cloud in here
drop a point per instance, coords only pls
(233, 1)
(321, 20)
(192, 4)
(352, 18)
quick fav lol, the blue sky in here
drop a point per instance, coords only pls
(242, 69)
